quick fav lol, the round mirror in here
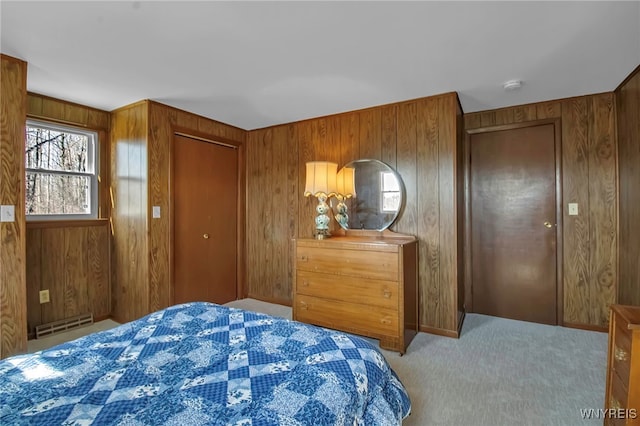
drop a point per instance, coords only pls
(379, 194)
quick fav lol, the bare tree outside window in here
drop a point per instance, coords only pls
(60, 171)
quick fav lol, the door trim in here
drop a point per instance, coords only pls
(557, 130)
(240, 205)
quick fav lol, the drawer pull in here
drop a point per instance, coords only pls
(620, 354)
(387, 294)
(305, 283)
(303, 306)
(304, 258)
(385, 321)
(614, 403)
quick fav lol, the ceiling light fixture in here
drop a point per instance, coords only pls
(512, 85)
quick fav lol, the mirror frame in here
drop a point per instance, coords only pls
(386, 168)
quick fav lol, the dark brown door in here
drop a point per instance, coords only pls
(513, 223)
(205, 185)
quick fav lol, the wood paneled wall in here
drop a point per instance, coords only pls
(628, 110)
(421, 139)
(589, 240)
(51, 109)
(71, 260)
(129, 176)
(141, 145)
(13, 112)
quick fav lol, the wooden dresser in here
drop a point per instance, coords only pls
(365, 285)
(623, 371)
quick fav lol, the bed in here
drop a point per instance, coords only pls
(204, 364)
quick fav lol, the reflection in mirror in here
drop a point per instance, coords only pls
(378, 200)
(390, 190)
(345, 189)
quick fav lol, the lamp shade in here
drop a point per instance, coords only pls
(346, 182)
(321, 178)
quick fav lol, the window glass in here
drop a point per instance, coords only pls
(61, 175)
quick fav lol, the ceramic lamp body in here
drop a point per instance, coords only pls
(322, 220)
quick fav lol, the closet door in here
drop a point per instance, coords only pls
(205, 231)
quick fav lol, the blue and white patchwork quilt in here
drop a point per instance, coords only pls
(204, 364)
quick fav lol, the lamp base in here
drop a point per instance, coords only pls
(322, 234)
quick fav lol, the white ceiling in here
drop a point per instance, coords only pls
(256, 64)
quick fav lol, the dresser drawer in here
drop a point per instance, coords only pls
(348, 289)
(622, 350)
(380, 265)
(617, 401)
(350, 317)
(618, 398)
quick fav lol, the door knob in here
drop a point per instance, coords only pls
(205, 236)
(548, 224)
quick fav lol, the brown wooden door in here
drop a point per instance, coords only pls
(205, 185)
(513, 252)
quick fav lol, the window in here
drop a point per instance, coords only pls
(61, 172)
(390, 192)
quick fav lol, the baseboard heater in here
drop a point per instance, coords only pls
(55, 327)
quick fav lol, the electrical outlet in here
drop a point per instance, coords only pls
(44, 296)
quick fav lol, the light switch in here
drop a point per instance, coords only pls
(155, 212)
(7, 213)
(573, 209)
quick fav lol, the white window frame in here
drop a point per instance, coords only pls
(384, 191)
(93, 163)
